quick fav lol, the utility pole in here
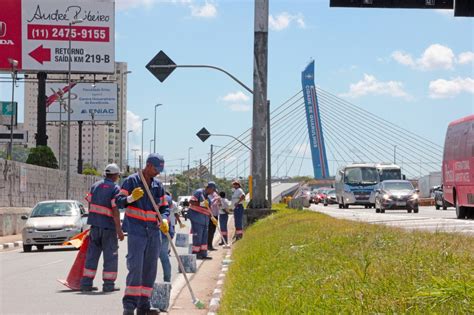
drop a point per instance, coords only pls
(79, 158)
(269, 158)
(14, 64)
(395, 154)
(92, 144)
(210, 162)
(260, 110)
(189, 175)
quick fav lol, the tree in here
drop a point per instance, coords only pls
(42, 156)
(90, 170)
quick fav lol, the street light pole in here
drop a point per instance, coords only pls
(14, 64)
(151, 141)
(395, 154)
(189, 161)
(154, 128)
(122, 95)
(128, 146)
(68, 146)
(141, 158)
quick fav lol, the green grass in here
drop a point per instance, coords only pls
(300, 262)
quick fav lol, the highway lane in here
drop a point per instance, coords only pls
(428, 219)
(28, 283)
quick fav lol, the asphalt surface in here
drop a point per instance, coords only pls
(28, 282)
(428, 218)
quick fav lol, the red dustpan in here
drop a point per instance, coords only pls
(73, 280)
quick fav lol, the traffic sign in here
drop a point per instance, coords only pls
(203, 134)
(37, 33)
(161, 59)
(6, 112)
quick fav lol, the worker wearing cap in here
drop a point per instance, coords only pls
(238, 197)
(144, 236)
(104, 219)
(199, 215)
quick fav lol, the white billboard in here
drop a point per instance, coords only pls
(88, 102)
(39, 32)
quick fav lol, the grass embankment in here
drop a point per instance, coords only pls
(300, 262)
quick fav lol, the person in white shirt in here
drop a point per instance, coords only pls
(224, 212)
(238, 197)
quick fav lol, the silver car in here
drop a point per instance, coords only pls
(52, 223)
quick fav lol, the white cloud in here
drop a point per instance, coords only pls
(403, 58)
(434, 57)
(238, 96)
(465, 57)
(442, 88)
(207, 10)
(284, 20)
(370, 85)
(239, 107)
(134, 122)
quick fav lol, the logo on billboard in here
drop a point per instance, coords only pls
(3, 29)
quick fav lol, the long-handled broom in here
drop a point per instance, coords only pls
(199, 304)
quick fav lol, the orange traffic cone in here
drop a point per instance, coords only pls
(73, 280)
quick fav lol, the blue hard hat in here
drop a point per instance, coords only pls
(157, 161)
(211, 185)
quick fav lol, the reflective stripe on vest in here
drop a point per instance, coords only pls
(138, 291)
(109, 275)
(199, 209)
(146, 291)
(100, 210)
(89, 273)
(139, 214)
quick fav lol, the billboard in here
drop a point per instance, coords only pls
(6, 112)
(36, 33)
(88, 102)
(316, 138)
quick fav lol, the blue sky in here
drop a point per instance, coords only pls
(412, 67)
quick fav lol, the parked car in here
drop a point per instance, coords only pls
(439, 199)
(330, 197)
(52, 223)
(396, 194)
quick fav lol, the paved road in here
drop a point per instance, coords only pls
(427, 219)
(28, 283)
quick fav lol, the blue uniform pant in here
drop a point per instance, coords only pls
(101, 240)
(223, 218)
(165, 258)
(239, 220)
(142, 261)
(200, 237)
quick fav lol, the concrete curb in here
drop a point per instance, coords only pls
(217, 293)
(179, 283)
(11, 245)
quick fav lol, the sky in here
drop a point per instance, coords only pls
(414, 68)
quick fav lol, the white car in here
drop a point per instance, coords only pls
(52, 223)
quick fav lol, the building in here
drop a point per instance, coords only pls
(100, 139)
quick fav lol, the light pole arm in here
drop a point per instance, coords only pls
(204, 66)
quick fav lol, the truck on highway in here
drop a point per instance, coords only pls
(356, 184)
(388, 171)
(458, 166)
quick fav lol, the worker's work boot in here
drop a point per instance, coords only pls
(107, 289)
(88, 289)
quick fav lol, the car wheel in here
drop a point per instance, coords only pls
(460, 211)
(27, 248)
(325, 204)
(382, 210)
(437, 207)
(445, 206)
(416, 210)
(340, 206)
(40, 247)
(409, 210)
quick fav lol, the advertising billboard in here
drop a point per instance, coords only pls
(37, 33)
(88, 102)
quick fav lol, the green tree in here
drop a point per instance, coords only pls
(42, 156)
(89, 170)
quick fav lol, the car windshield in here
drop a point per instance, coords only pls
(398, 186)
(390, 174)
(54, 209)
(360, 176)
(331, 192)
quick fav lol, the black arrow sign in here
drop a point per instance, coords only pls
(203, 134)
(161, 59)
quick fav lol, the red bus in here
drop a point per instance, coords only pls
(458, 166)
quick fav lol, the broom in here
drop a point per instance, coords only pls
(196, 301)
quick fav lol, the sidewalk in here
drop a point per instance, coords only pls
(10, 241)
(204, 282)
